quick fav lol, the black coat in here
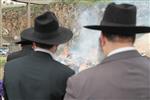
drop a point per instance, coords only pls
(25, 50)
(35, 77)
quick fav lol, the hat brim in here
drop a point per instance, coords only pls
(19, 42)
(119, 29)
(23, 42)
(64, 36)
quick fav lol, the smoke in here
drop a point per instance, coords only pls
(84, 51)
(86, 46)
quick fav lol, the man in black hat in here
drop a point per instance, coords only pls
(124, 74)
(38, 76)
(26, 48)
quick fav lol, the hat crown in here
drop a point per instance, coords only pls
(46, 23)
(120, 19)
(119, 15)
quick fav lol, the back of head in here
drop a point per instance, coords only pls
(119, 37)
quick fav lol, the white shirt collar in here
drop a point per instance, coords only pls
(44, 50)
(121, 50)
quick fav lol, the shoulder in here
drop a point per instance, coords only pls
(147, 57)
(100, 72)
(64, 68)
(85, 75)
(14, 55)
(77, 83)
(17, 61)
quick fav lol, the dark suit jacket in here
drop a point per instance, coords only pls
(25, 50)
(35, 77)
(122, 76)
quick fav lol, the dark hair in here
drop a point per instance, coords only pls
(112, 36)
(26, 43)
(22, 45)
(44, 46)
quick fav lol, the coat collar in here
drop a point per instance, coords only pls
(121, 50)
(45, 51)
(122, 55)
(41, 55)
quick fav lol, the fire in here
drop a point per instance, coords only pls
(75, 60)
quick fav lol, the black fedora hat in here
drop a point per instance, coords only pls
(120, 18)
(46, 30)
(23, 41)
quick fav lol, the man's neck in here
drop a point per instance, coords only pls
(121, 49)
(27, 47)
(113, 46)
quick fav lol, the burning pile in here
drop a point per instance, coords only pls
(74, 60)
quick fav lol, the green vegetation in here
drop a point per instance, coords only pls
(2, 61)
(95, 1)
(83, 1)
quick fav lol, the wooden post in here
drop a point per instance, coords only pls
(29, 13)
(1, 38)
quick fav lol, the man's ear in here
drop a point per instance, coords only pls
(102, 40)
(33, 45)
